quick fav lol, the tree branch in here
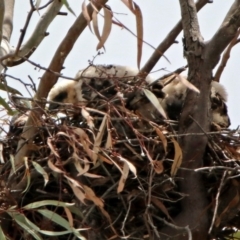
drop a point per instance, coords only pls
(37, 36)
(49, 79)
(224, 35)
(226, 56)
(168, 41)
(194, 118)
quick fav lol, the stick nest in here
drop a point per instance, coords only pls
(120, 171)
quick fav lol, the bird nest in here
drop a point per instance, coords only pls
(102, 171)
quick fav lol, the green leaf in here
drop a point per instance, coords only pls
(6, 106)
(47, 202)
(55, 218)
(60, 221)
(12, 163)
(22, 221)
(65, 2)
(40, 169)
(37, 4)
(2, 235)
(6, 88)
(155, 102)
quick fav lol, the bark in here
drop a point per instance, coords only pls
(202, 58)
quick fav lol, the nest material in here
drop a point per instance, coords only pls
(119, 168)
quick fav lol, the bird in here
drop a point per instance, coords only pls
(108, 81)
(95, 81)
(175, 94)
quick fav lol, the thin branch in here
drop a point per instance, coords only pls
(217, 201)
(168, 41)
(226, 56)
(224, 35)
(187, 229)
(38, 34)
(49, 79)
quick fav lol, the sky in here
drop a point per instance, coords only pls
(159, 17)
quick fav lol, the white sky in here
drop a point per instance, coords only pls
(159, 17)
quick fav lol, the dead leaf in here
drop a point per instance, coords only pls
(139, 24)
(53, 167)
(129, 4)
(162, 138)
(86, 15)
(123, 178)
(98, 140)
(69, 216)
(177, 158)
(130, 165)
(88, 117)
(187, 83)
(49, 143)
(90, 195)
(106, 27)
(78, 192)
(158, 166)
(161, 206)
(105, 213)
(95, 25)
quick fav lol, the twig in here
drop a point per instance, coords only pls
(226, 56)
(187, 229)
(217, 201)
(168, 41)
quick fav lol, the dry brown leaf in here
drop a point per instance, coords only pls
(81, 170)
(90, 195)
(187, 83)
(108, 144)
(106, 27)
(88, 117)
(86, 15)
(177, 158)
(130, 165)
(53, 167)
(129, 4)
(158, 166)
(77, 192)
(161, 206)
(123, 178)
(112, 161)
(69, 216)
(49, 143)
(105, 213)
(104, 159)
(95, 25)
(162, 138)
(1, 154)
(92, 175)
(93, 6)
(139, 24)
(84, 140)
(168, 79)
(98, 139)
